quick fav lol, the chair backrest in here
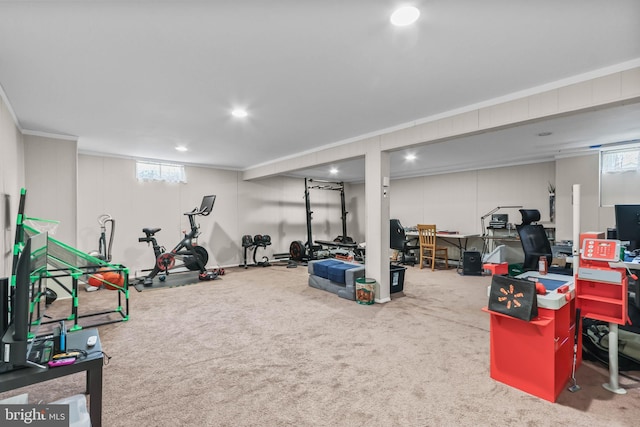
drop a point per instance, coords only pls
(427, 233)
(397, 235)
(535, 244)
(529, 216)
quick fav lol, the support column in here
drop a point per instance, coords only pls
(575, 249)
(377, 168)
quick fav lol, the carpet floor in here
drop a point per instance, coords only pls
(258, 347)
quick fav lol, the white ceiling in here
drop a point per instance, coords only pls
(138, 78)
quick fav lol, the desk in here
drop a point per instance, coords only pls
(634, 285)
(459, 240)
(92, 364)
(509, 235)
(489, 240)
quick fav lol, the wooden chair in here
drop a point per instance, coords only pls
(428, 248)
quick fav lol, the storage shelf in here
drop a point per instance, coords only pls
(602, 317)
(599, 282)
(604, 300)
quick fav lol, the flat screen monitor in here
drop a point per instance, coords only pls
(207, 204)
(23, 305)
(628, 225)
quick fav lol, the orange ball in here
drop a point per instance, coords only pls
(95, 280)
(113, 280)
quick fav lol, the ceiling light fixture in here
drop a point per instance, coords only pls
(181, 148)
(239, 113)
(333, 171)
(405, 16)
(410, 157)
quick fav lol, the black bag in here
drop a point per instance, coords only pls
(513, 297)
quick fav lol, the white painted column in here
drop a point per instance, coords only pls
(377, 168)
(575, 201)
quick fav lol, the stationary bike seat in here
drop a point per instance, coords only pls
(150, 231)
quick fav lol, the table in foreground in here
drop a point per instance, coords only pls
(92, 364)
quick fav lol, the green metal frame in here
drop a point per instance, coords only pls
(68, 261)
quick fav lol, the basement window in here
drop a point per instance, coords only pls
(620, 161)
(619, 172)
(150, 171)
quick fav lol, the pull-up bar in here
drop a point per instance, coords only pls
(330, 185)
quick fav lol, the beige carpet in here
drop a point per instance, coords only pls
(261, 348)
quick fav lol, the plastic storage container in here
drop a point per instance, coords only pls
(78, 415)
(365, 290)
(396, 284)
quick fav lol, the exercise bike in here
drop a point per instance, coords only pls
(193, 257)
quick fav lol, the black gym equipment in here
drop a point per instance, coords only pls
(255, 242)
(314, 250)
(193, 257)
(104, 247)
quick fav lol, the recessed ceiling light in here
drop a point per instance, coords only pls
(410, 157)
(405, 16)
(181, 148)
(333, 171)
(239, 113)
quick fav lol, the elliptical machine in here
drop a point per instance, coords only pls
(193, 257)
(104, 248)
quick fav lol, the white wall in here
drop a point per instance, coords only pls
(51, 176)
(583, 170)
(273, 206)
(108, 185)
(456, 201)
(11, 181)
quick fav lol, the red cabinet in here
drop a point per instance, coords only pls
(536, 356)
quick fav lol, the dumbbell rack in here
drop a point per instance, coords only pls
(255, 242)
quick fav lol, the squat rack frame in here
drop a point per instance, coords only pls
(342, 240)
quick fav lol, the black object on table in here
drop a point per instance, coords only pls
(92, 364)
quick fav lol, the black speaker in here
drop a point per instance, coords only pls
(471, 263)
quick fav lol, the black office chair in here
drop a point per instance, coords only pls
(400, 243)
(533, 237)
(535, 243)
